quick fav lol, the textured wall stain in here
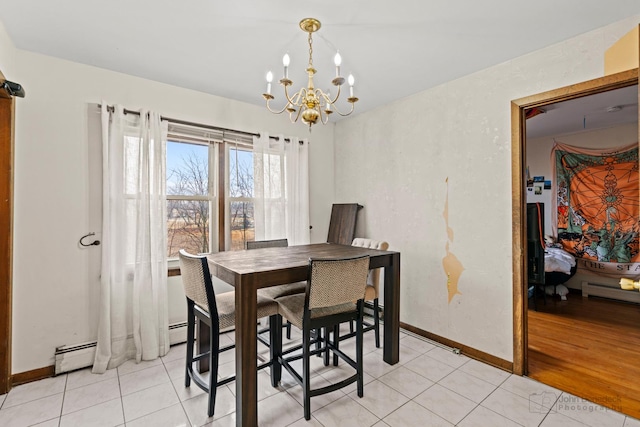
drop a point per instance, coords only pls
(452, 266)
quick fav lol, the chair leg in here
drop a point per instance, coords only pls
(306, 380)
(336, 342)
(214, 339)
(288, 330)
(326, 345)
(318, 341)
(351, 326)
(376, 321)
(275, 348)
(359, 352)
(190, 333)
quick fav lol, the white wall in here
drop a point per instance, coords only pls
(396, 160)
(7, 53)
(57, 188)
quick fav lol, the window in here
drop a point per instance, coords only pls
(190, 197)
(195, 191)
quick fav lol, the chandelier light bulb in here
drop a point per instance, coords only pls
(351, 82)
(286, 61)
(337, 60)
(269, 80)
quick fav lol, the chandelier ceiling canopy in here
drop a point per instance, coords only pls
(310, 104)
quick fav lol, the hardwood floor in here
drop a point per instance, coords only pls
(589, 347)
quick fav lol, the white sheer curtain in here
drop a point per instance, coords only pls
(281, 189)
(296, 159)
(133, 299)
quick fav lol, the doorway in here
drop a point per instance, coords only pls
(519, 109)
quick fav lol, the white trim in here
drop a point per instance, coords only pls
(77, 356)
(606, 291)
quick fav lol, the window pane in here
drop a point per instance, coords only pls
(242, 224)
(240, 173)
(187, 226)
(187, 169)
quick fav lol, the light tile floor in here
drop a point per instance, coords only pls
(430, 386)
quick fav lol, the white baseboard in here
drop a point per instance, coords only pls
(607, 291)
(77, 356)
(72, 357)
(177, 333)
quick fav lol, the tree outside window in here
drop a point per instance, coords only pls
(189, 198)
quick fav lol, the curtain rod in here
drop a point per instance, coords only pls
(184, 122)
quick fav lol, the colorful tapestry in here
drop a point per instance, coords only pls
(597, 208)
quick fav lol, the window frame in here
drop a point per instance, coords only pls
(227, 207)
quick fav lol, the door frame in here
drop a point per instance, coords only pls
(518, 192)
(7, 113)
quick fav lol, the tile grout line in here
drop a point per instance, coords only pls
(486, 397)
(547, 414)
(64, 395)
(124, 420)
(173, 386)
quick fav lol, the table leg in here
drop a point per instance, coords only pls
(391, 350)
(246, 350)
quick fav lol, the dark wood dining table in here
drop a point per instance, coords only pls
(247, 271)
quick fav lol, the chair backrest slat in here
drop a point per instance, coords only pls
(335, 282)
(260, 244)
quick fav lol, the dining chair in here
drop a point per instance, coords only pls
(334, 294)
(217, 311)
(278, 291)
(372, 291)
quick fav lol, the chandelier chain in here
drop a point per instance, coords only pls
(310, 51)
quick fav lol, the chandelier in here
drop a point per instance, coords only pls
(310, 104)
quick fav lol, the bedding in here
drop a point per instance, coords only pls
(556, 259)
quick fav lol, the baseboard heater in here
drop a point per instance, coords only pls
(606, 291)
(78, 356)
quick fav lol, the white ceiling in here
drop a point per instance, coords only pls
(584, 114)
(394, 49)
